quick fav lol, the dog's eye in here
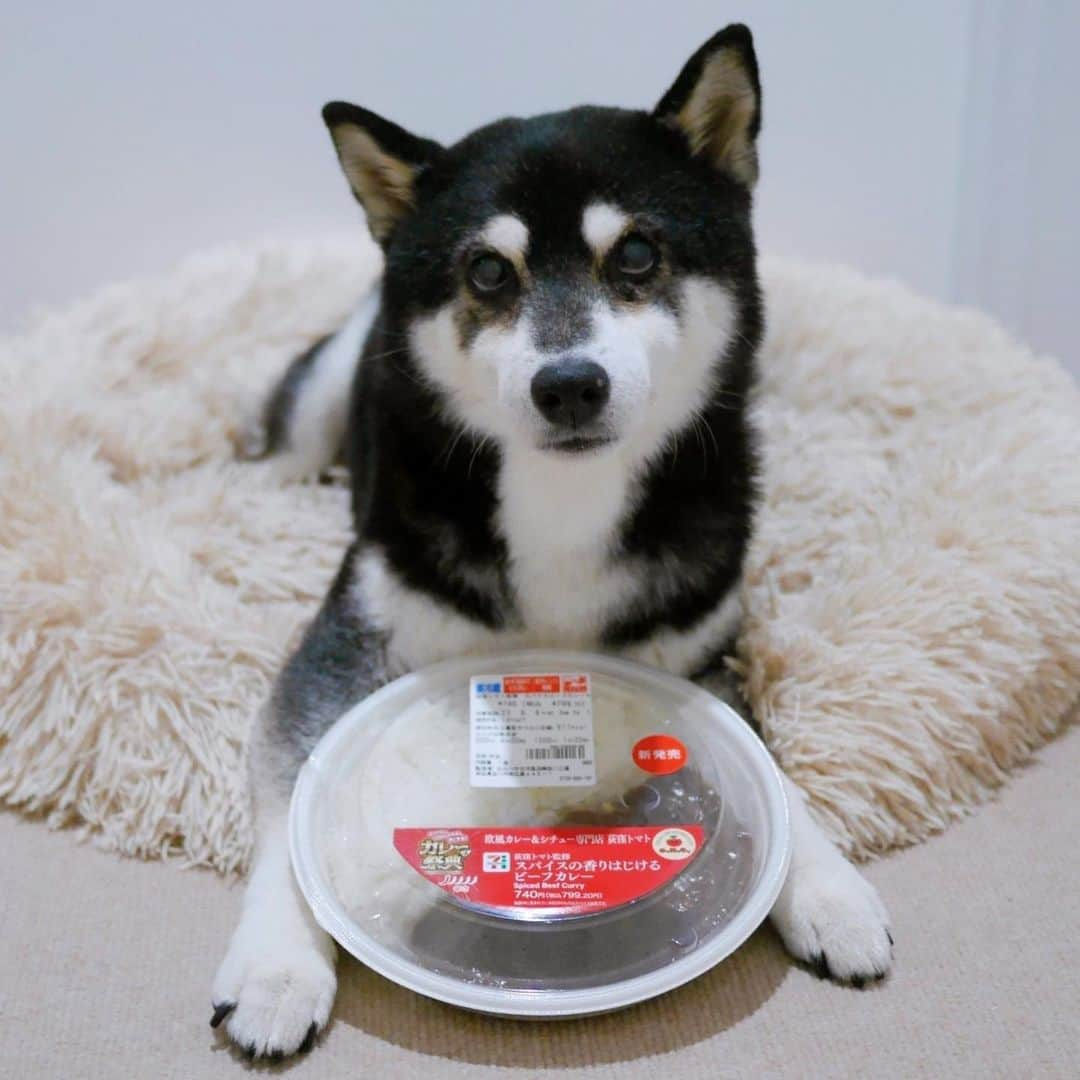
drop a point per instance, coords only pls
(489, 273)
(635, 256)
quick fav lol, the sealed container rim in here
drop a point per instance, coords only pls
(521, 1003)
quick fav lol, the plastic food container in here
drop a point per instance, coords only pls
(540, 834)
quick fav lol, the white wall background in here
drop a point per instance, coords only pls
(135, 132)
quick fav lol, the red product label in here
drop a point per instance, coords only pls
(531, 684)
(565, 870)
(660, 754)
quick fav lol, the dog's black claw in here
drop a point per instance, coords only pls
(221, 1010)
(249, 1051)
(820, 966)
(276, 1055)
(888, 934)
(857, 981)
(309, 1040)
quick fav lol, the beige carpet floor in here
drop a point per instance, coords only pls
(106, 964)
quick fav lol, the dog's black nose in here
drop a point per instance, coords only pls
(571, 392)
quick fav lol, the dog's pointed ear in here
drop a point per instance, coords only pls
(381, 162)
(716, 103)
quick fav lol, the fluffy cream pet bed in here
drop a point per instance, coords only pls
(913, 594)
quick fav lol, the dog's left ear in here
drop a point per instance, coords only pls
(381, 162)
(716, 103)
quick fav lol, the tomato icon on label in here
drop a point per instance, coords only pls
(674, 843)
(660, 754)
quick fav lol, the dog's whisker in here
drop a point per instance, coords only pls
(445, 459)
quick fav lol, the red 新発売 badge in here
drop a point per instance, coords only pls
(660, 754)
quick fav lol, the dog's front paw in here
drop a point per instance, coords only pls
(274, 995)
(832, 918)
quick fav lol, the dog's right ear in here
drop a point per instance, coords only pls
(381, 161)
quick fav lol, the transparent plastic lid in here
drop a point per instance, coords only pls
(540, 833)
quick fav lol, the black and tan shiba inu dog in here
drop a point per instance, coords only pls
(544, 411)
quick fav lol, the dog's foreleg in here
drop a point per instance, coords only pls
(276, 985)
(828, 914)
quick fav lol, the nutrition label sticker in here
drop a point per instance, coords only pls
(531, 731)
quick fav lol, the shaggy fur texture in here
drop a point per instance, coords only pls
(913, 592)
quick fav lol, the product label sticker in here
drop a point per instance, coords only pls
(531, 731)
(660, 754)
(560, 870)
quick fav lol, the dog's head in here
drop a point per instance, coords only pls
(572, 282)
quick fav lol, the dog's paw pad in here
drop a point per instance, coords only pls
(831, 918)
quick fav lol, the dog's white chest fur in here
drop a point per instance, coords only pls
(560, 518)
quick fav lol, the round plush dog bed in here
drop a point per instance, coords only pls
(912, 594)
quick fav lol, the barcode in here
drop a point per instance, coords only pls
(558, 753)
